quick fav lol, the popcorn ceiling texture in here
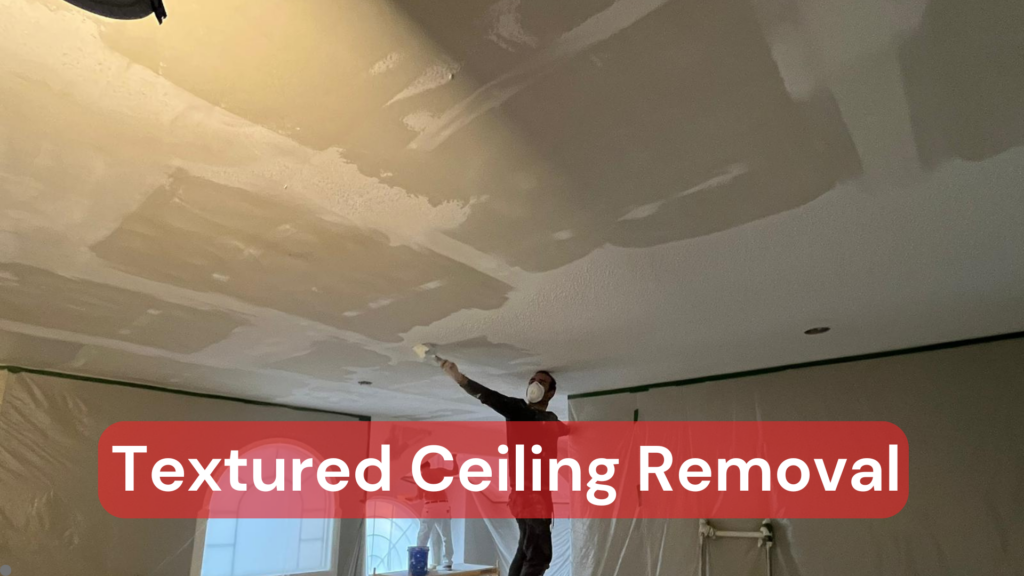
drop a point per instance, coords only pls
(277, 203)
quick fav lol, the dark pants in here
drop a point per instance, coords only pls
(534, 552)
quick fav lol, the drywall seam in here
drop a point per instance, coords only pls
(798, 366)
(7, 369)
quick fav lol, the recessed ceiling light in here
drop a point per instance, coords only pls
(365, 382)
(817, 330)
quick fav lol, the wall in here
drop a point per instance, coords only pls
(960, 409)
(51, 521)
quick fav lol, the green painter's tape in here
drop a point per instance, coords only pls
(17, 369)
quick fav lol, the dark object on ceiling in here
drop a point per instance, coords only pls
(123, 9)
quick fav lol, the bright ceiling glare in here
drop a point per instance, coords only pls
(817, 330)
(123, 9)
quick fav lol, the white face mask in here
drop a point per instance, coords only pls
(534, 393)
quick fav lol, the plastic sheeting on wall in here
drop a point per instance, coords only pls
(961, 411)
(51, 520)
(505, 532)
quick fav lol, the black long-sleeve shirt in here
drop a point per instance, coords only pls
(527, 503)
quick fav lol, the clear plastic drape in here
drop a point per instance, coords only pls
(51, 520)
(961, 410)
(505, 532)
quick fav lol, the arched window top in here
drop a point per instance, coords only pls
(391, 528)
(310, 504)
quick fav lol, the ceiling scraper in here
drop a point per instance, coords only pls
(425, 351)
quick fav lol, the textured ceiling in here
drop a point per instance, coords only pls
(276, 199)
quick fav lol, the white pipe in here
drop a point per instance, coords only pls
(733, 534)
(765, 537)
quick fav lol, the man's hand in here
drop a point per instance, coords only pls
(453, 372)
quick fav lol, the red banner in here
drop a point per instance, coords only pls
(490, 469)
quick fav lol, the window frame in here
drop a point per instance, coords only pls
(395, 502)
(199, 548)
(199, 541)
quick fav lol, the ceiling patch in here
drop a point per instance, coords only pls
(507, 26)
(204, 236)
(419, 121)
(331, 360)
(28, 351)
(484, 353)
(620, 15)
(416, 377)
(385, 64)
(961, 76)
(433, 77)
(716, 142)
(46, 299)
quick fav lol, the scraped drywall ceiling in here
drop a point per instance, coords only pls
(275, 200)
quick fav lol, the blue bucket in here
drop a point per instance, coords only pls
(418, 560)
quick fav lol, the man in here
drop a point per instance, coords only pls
(533, 510)
(436, 517)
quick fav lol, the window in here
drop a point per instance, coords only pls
(390, 529)
(267, 547)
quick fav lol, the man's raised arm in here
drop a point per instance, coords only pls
(507, 406)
